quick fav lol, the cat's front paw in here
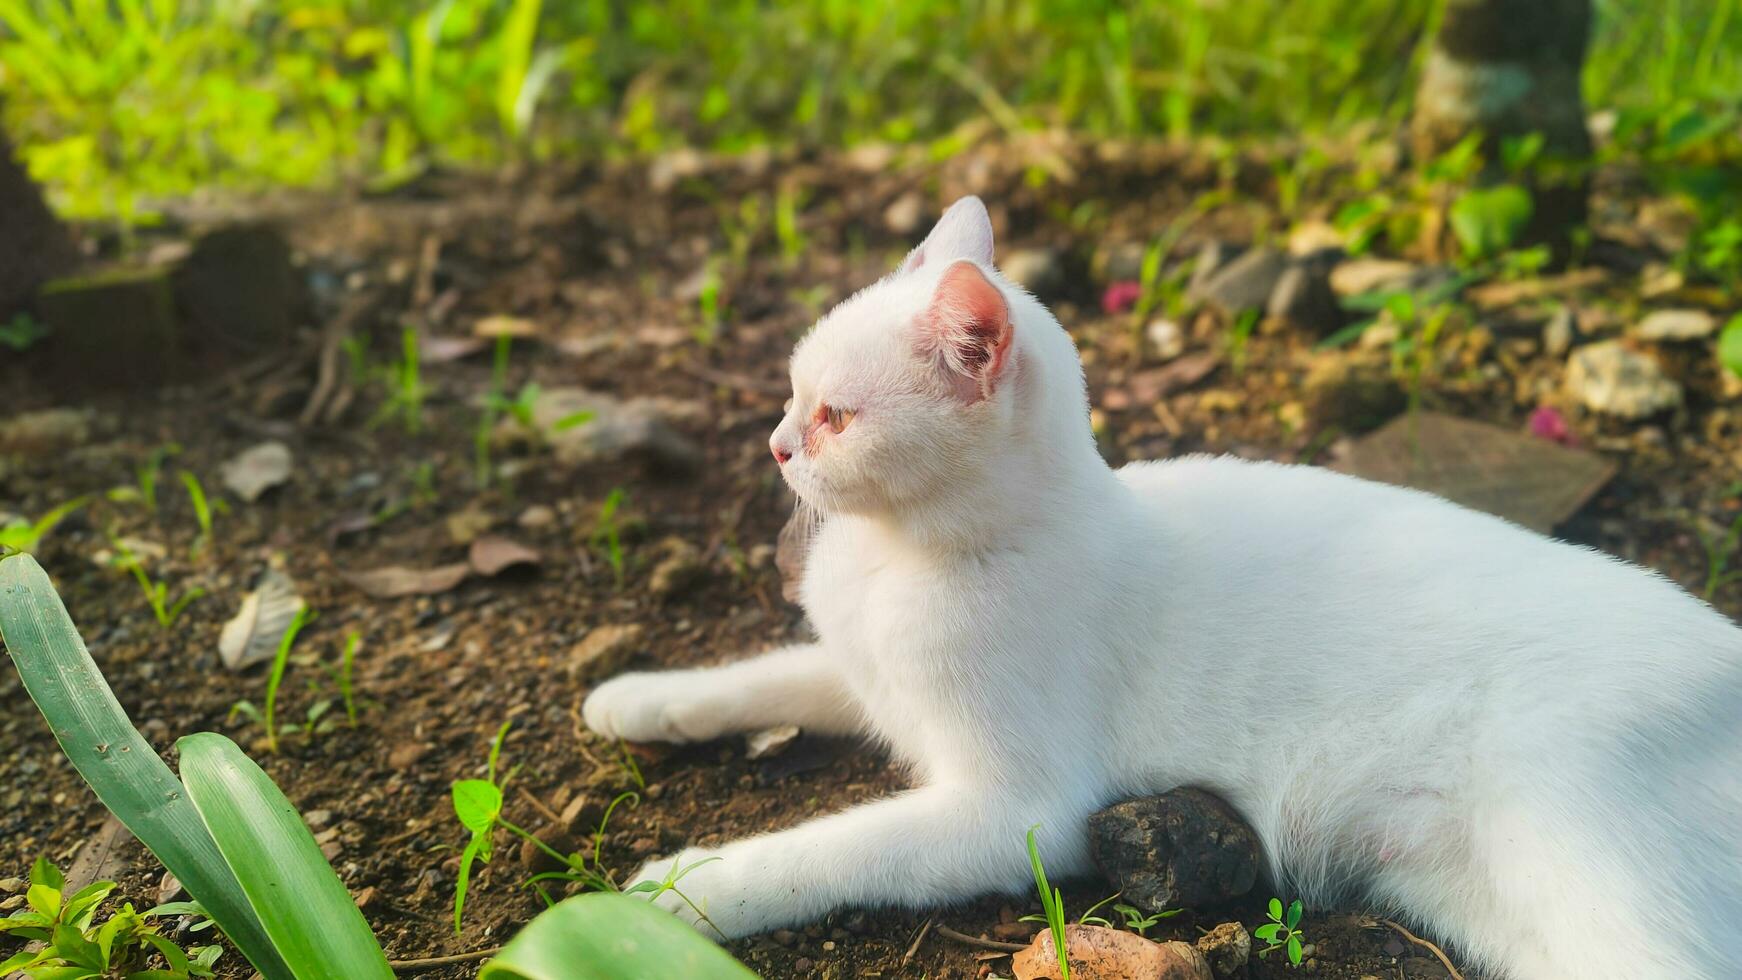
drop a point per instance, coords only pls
(656, 707)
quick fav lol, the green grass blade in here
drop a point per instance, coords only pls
(109, 753)
(301, 902)
(607, 936)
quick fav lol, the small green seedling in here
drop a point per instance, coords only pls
(710, 307)
(268, 718)
(24, 535)
(147, 476)
(156, 592)
(342, 677)
(1282, 931)
(498, 403)
(22, 332)
(1052, 901)
(405, 387)
(1719, 548)
(607, 533)
(478, 805)
(202, 511)
(1137, 921)
(74, 946)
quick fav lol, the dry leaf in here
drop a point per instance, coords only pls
(1100, 953)
(396, 580)
(252, 635)
(257, 470)
(492, 554)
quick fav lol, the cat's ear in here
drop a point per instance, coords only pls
(966, 332)
(964, 232)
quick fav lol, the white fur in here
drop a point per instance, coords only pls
(1528, 748)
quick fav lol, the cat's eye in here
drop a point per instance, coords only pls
(838, 418)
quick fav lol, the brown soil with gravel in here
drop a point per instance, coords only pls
(604, 265)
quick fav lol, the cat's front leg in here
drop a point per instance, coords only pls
(929, 846)
(793, 685)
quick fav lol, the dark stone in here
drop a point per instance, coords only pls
(114, 328)
(534, 858)
(1352, 391)
(1245, 283)
(237, 289)
(1184, 848)
(33, 246)
(1303, 297)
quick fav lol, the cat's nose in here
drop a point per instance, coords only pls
(781, 454)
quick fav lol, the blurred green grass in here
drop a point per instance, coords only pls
(118, 102)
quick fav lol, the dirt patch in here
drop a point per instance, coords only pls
(617, 280)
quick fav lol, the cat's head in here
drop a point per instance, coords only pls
(940, 382)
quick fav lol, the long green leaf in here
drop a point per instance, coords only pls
(302, 903)
(607, 936)
(119, 765)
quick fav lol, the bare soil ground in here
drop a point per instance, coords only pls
(604, 264)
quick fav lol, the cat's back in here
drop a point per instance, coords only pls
(1327, 554)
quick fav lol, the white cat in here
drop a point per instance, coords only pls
(1530, 749)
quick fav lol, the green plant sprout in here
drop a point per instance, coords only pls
(1052, 901)
(710, 307)
(1281, 931)
(268, 718)
(787, 204)
(156, 591)
(405, 387)
(20, 534)
(202, 511)
(607, 533)
(342, 677)
(1239, 336)
(1718, 549)
(150, 471)
(22, 332)
(74, 946)
(498, 403)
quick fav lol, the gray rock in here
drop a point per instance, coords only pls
(1366, 274)
(1212, 259)
(1038, 270)
(1184, 848)
(1609, 378)
(1245, 283)
(615, 429)
(1673, 325)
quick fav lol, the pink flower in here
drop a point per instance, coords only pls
(1120, 296)
(1548, 423)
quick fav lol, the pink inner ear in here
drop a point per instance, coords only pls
(968, 327)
